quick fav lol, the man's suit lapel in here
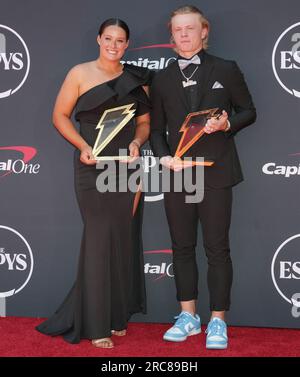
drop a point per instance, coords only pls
(204, 79)
(177, 85)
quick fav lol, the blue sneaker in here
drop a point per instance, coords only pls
(186, 325)
(216, 334)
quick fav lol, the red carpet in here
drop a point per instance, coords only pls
(18, 337)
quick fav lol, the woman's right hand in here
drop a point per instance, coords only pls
(86, 156)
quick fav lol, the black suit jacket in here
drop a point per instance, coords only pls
(170, 107)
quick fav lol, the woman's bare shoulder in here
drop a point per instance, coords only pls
(81, 70)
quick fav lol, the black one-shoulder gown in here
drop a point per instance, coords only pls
(110, 284)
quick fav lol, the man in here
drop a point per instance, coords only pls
(199, 81)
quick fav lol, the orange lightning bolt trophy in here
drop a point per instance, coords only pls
(192, 129)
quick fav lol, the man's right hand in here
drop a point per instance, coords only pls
(166, 161)
(173, 163)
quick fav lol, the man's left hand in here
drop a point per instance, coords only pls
(216, 124)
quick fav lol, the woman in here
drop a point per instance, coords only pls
(110, 282)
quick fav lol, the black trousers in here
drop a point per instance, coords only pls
(214, 213)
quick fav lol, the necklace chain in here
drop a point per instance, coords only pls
(188, 78)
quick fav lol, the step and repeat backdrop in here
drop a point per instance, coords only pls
(40, 223)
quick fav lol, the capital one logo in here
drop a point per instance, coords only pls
(283, 170)
(16, 262)
(286, 60)
(159, 268)
(285, 271)
(14, 61)
(9, 164)
(150, 58)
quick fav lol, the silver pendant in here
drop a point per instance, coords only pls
(188, 83)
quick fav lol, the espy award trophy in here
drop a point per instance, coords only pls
(192, 130)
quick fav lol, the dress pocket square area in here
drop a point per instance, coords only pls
(217, 85)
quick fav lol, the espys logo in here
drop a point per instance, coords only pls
(152, 60)
(14, 61)
(9, 165)
(286, 59)
(285, 271)
(16, 262)
(160, 269)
